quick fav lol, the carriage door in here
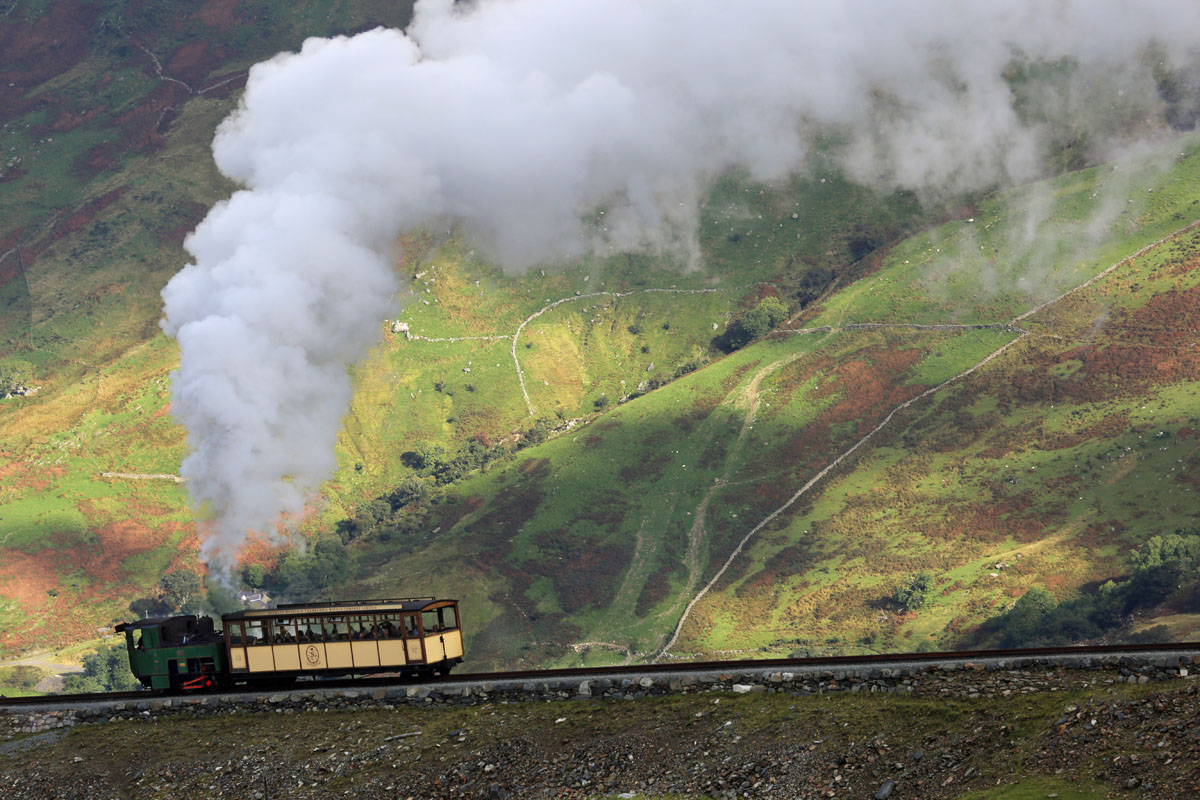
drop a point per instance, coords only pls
(237, 647)
(413, 643)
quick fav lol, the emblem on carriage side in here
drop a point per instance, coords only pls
(312, 654)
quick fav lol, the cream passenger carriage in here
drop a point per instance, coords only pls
(412, 636)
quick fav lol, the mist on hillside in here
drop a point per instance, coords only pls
(514, 119)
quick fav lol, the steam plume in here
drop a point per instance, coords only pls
(515, 118)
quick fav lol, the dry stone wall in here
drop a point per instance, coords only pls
(994, 678)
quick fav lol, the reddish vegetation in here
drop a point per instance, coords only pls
(77, 220)
(866, 388)
(17, 476)
(756, 296)
(584, 569)
(98, 559)
(34, 53)
(259, 551)
(645, 468)
(221, 14)
(193, 61)
(190, 214)
(793, 560)
(655, 590)
(537, 467)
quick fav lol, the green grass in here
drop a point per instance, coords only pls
(1041, 786)
(1025, 245)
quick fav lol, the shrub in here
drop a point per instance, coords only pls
(756, 323)
(913, 593)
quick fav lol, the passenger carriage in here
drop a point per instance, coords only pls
(412, 636)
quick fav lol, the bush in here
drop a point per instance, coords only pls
(412, 490)
(913, 593)
(756, 323)
(22, 676)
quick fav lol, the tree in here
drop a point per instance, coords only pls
(914, 593)
(757, 322)
(411, 490)
(179, 587)
(106, 670)
(326, 564)
(425, 457)
(1026, 620)
(221, 599)
(330, 562)
(253, 574)
(368, 517)
(1171, 549)
(14, 374)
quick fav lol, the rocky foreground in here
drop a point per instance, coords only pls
(970, 734)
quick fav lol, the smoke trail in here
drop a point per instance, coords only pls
(515, 118)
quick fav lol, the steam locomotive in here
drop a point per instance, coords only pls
(412, 636)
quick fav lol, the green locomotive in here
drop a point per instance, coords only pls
(411, 636)
(179, 653)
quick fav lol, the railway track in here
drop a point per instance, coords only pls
(1064, 655)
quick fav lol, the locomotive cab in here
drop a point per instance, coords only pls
(180, 653)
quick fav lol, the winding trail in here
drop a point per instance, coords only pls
(1011, 325)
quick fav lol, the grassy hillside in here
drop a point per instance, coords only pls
(107, 113)
(641, 488)
(593, 544)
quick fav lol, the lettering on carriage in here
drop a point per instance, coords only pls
(312, 654)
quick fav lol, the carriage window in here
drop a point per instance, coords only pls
(410, 625)
(362, 628)
(430, 618)
(336, 630)
(235, 633)
(389, 626)
(254, 632)
(448, 617)
(308, 630)
(284, 631)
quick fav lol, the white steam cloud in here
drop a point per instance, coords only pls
(515, 118)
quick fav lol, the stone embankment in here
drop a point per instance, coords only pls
(985, 678)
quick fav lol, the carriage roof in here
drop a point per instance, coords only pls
(405, 605)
